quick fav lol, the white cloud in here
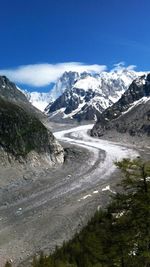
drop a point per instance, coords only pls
(43, 74)
(121, 66)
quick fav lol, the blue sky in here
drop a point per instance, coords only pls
(93, 32)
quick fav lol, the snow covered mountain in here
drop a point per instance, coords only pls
(130, 114)
(43, 100)
(66, 81)
(39, 100)
(84, 96)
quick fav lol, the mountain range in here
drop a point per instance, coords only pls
(83, 96)
(118, 100)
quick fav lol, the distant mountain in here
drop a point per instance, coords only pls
(65, 82)
(42, 100)
(23, 137)
(85, 96)
(130, 114)
(39, 100)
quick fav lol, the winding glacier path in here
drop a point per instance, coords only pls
(52, 204)
(113, 151)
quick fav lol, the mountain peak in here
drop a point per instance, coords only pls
(80, 94)
(112, 83)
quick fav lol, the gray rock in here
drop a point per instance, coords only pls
(23, 137)
(131, 114)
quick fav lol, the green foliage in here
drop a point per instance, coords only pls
(8, 264)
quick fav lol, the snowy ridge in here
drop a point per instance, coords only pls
(130, 114)
(65, 82)
(87, 95)
(89, 83)
(136, 103)
(83, 93)
(37, 99)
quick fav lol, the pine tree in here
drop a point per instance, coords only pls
(136, 208)
(119, 235)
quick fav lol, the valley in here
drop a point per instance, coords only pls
(74, 133)
(42, 207)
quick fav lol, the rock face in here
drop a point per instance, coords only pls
(42, 100)
(65, 82)
(9, 91)
(23, 137)
(131, 114)
(87, 95)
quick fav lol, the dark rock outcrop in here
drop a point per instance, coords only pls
(70, 100)
(130, 114)
(22, 133)
(10, 92)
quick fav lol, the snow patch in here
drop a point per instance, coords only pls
(107, 188)
(85, 197)
(95, 192)
(136, 103)
(89, 83)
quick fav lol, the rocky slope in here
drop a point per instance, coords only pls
(9, 91)
(23, 137)
(131, 114)
(88, 95)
